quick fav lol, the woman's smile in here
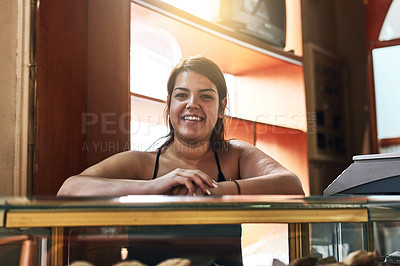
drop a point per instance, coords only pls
(192, 118)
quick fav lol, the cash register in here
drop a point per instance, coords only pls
(377, 174)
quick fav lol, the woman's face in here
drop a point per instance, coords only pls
(194, 107)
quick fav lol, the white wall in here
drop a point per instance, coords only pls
(386, 63)
(13, 96)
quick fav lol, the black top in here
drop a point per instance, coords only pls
(221, 176)
(222, 246)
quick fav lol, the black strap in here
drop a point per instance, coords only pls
(221, 176)
(156, 166)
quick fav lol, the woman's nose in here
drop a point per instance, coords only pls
(192, 103)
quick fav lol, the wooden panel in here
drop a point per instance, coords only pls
(240, 129)
(60, 95)
(82, 100)
(287, 146)
(390, 142)
(375, 13)
(108, 102)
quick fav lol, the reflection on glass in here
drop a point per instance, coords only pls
(154, 52)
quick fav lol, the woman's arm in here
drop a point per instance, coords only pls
(85, 185)
(259, 174)
(114, 176)
(125, 174)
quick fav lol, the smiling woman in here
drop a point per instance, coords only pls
(195, 159)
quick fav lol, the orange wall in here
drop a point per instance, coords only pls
(273, 95)
(240, 129)
(287, 146)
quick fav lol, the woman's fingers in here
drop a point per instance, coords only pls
(175, 190)
(206, 179)
(182, 191)
(199, 178)
(186, 182)
(199, 192)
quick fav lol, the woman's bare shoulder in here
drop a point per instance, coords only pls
(136, 154)
(235, 149)
(255, 162)
(234, 145)
(131, 157)
(125, 164)
(245, 150)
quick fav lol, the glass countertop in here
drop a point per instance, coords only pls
(156, 202)
(132, 210)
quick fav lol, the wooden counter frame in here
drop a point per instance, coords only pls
(298, 221)
(297, 213)
(72, 218)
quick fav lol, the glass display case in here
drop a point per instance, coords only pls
(202, 230)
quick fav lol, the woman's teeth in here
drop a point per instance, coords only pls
(192, 118)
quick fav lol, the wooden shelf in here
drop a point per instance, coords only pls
(246, 53)
(269, 81)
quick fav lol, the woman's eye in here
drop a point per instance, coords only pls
(206, 96)
(180, 95)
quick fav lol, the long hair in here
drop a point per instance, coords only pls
(209, 69)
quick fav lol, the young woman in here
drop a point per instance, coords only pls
(195, 159)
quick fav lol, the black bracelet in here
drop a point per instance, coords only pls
(237, 184)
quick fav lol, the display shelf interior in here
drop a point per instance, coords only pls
(246, 53)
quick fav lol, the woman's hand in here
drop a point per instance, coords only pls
(223, 188)
(184, 182)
